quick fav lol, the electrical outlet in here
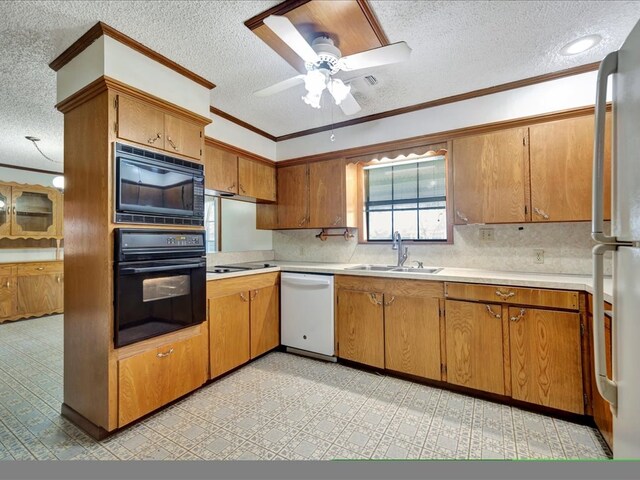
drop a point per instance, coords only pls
(487, 234)
(539, 256)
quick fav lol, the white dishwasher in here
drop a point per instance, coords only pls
(306, 314)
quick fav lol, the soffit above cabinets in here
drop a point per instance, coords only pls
(351, 24)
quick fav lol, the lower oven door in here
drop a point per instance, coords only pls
(156, 297)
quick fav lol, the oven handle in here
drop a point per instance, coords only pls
(126, 271)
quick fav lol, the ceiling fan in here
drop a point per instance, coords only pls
(323, 60)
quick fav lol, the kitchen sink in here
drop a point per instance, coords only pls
(393, 268)
(416, 270)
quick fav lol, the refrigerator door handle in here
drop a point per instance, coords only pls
(607, 387)
(608, 66)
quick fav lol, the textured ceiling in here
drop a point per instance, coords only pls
(457, 47)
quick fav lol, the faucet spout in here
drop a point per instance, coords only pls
(397, 245)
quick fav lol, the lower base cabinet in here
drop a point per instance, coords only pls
(228, 332)
(151, 379)
(265, 319)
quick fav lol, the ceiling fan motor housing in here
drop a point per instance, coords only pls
(329, 54)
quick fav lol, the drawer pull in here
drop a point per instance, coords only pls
(504, 295)
(8, 284)
(541, 213)
(244, 299)
(390, 301)
(39, 268)
(255, 294)
(58, 279)
(374, 299)
(165, 354)
(520, 315)
(175, 147)
(492, 313)
(153, 140)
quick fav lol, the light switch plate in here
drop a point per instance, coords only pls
(539, 256)
(487, 234)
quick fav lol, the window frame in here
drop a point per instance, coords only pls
(362, 214)
(218, 226)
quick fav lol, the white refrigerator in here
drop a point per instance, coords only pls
(622, 391)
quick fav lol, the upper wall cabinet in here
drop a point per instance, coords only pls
(489, 177)
(226, 172)
(148, 125)
(562, 168)
(30, 211)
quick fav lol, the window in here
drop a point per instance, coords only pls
(211, 222)
(408, 197)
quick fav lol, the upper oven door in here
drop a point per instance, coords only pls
(146, 186)
(157, 297)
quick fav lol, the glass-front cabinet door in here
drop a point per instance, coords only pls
(5, 210)
(34, 212)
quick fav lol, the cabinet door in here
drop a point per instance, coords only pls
(474, 345)
(327, 194)
(489, 180)
(5, 210)
(7, 292)
(39, 294)
(546, 360)
(228, 332)
(183, 137)
(220, 170)
(156, 377)
(293, 197)
(412, 335)
(35, 212)
(361, 327)
(265, 320)
(561, 169)
(256, 179)
(140, 122)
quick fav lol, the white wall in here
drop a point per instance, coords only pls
(554, 95)
(233, 134)
(238, 221)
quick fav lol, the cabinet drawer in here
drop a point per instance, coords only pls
(151, 379)
(39, 268)
(521, 296)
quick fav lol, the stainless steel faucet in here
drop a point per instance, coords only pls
(397, 245)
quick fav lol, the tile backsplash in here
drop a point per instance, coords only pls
(567, 249)
(226, 258)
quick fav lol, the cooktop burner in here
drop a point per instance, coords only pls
(239, 267)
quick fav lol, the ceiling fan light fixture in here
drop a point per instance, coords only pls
(338, 90)
(315, 81)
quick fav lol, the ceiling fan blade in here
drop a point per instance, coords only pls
(288, 33)
(350, 105)
(394, 53)
(280, 86)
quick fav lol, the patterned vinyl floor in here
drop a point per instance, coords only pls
(279, 407)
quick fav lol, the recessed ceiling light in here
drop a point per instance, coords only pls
(580, 45)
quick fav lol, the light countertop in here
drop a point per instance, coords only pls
(558, 281)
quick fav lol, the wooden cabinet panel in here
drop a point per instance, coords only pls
(561, 169)
(5, 210)
(7, 291)
(35, 211)
(518, 295)
(220, 170)
(256, 179)
(293, 197)
(140, 123)
(228, 332)
(39, 294)
(327, 194)
(156, 377)
(412, 335)
(361, 327)
(183, 137)
(546, 360)
(490, 177)
(474, 345)
(265, 320)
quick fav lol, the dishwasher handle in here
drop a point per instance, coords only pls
(306, 282)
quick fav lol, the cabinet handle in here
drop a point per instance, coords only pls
(520, 315)
(58, 279)
(504, 295)
(255, 294)
(233, 185)
(390, 301)
(541, 213)
(175, 147)
(241, 188)
(152, 140)
(492, 313)
(8, 284)
(301, 222)
(462, 216)
(165, 354)
(244, 299)
(39, 268)
(337, 220)
(374, 299)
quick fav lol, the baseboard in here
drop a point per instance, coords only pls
(81, 422)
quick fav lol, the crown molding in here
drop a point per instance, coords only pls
(29, 169)
(100, 29)
(212, 142)
(241, 123)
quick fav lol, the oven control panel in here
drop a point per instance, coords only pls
(185, 240)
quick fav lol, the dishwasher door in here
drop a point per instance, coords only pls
(307, 312)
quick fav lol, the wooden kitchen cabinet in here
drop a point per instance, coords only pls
(40, 288)
(475, 345)
(361, 327)
(490, 177)
(152, 126)
(244, 320)
(332, 194)
(293, 196)
(546, 358)
(153, 378)
(220, 170)
(30, 211)
(7, 291)
(256, 179)
(562, 299)
(561, 169)
(5, 210)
